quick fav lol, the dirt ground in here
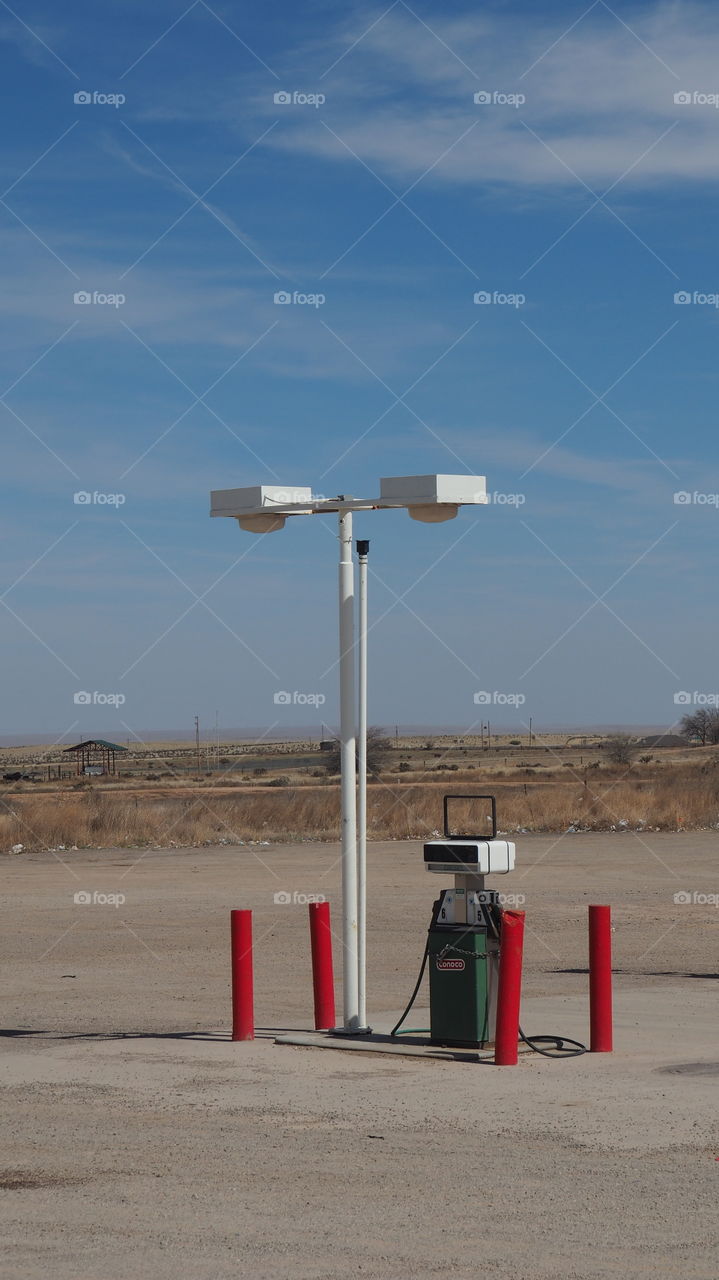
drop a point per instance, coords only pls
(138, 1141)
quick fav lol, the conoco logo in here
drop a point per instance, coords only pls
(450, 964)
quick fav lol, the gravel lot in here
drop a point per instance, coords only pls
(139, 1142)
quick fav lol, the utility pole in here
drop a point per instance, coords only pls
(530, 731)
(197, 744)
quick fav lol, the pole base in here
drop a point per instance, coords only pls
(350, 1031)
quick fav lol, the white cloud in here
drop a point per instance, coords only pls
(600, 99)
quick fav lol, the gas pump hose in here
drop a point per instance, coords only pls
(560, 1044)
(396, 1028)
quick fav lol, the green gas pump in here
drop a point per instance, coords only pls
(463, 949)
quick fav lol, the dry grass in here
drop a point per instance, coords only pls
(682, 797)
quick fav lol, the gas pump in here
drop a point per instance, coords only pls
(463, 944)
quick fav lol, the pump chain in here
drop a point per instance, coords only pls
(460, 951)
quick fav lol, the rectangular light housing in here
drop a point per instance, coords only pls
(425, 491)
(235, 502)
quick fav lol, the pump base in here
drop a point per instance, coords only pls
(462, 1044)
(462, 985)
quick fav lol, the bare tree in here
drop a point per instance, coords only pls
(702, 724)
(713, 730)
(694, 725)
(621, 749)
(377, 747)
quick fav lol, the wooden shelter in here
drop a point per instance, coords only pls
(95, 756)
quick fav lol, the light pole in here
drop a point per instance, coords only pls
(362, 554)
(348, 765)
(263, 509)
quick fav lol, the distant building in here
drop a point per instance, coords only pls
(95, 757)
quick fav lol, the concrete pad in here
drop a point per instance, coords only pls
(138, 1141)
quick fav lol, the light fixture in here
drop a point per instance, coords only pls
(434, 514)
(262, 524)
(432, 499)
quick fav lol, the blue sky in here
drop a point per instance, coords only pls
(397, 198)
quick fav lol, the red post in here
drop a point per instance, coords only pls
(243, 1011)
(511, 945)
(322, 972)
(600, 979)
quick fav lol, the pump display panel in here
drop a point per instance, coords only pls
(469, 857)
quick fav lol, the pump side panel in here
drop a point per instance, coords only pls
(458, 988)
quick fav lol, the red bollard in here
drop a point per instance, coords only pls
(600, 979)
(511, 944)
(322, 972)
(243, 1004)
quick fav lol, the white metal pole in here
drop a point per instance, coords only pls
(347, 756)
(362, 548)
